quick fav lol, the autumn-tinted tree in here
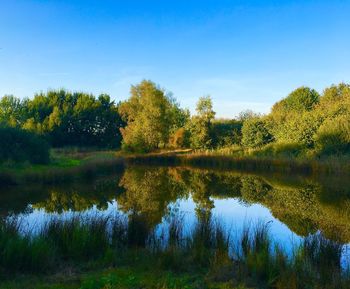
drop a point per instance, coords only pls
(179, 139)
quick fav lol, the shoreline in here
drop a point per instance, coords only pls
(96, 163)
(328, 166)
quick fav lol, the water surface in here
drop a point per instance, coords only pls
(293, 206)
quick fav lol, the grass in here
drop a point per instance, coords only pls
(65, 166)
(125, 277)
(105, 252)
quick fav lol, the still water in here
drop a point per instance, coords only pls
(294, 206)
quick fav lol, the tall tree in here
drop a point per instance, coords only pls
(201, 124)
(12, 111)
(150, 114)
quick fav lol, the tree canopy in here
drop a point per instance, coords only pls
(65, 118)
(201, 124)
(151, 115)
(152, 119)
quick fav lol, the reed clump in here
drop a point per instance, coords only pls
(253, 259)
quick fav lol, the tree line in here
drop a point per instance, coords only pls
(152, 119)
(64, 118)
(302, 122)
(58, 118)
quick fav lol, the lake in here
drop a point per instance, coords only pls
(293, 206)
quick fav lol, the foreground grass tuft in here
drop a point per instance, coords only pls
(201, 258)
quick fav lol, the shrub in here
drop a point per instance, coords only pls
(255, 133)
(19, 145)
(226, 132)
(333, 135)
(282, 149)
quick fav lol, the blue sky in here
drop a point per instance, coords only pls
(245, 54)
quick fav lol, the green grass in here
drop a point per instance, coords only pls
(64, 166)
(60, 158)
(120, 278)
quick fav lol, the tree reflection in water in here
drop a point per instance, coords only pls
(305, 205)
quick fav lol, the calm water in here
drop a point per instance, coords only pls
(294, 206)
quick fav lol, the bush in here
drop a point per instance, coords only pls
(19, 145)
(282, 149)
(298, 128)
(333, 135)
(226, 132)
(255, 133)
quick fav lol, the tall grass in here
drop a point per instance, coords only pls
(252, 259)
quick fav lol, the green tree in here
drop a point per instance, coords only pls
(333, 136)
(301, 99)
(293, 120)
(12, 111)
(150, 115)
(19, 145)
(66, 118)
(255, 133)
(226, 132)
(201, 124)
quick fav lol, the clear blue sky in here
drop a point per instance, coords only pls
(245, 54)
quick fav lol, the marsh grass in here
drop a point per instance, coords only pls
(252, 259)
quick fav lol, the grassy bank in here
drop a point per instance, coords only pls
(102, 252)
(250, 162)
(65, 165)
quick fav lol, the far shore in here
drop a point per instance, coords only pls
(69, 165)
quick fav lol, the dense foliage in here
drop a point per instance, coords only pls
(65, 119)
(201, 124)
(303, 123)
(151, 116)
(226, 132)
(20, 145)
(319, 123)
(255, 133)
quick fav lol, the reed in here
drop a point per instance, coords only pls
(253, 259)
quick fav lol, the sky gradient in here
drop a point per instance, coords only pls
(245, 54)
